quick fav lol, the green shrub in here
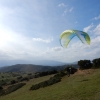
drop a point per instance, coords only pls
(43, 84)
(60, 74)
(2, 82)
(46, 83)
(25, 79)
(54, 80)
(2, 92)
(14, 88)
(11, 89)
(1, 88)
(13, 82)
(40, 74)
(19, 77)
(35, 87)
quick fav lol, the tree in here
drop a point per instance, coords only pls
(85, 64)
(96, 63)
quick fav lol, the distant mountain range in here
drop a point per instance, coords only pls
(36, 62)
(31, 68)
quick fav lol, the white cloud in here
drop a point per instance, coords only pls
(96, 18)
(82, 51)
(43, 40)
(97, 30)
(62, 5)
(15, 45)
(65, 11)
(75, 52)
(56, 49)
(71, 9)
(88, 28)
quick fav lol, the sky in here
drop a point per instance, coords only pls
(30, 29)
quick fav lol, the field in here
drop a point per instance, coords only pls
(83, 85)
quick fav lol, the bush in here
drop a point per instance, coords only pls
(19, 77)
(2, 92)
(1, 88)
(40, 74)
(35, 87)
(25, 79)
(11, 89)
(14, 88)
(13, 82)
(2, 82)
(51, 81)
(54, 80)
(29, 74)
(43, 84)
(60, 74)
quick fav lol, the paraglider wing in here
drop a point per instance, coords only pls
(67, 35)
(83, 36)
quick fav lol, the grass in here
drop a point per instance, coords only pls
(85, 86)
(7, 77)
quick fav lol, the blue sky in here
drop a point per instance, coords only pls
(30, 29)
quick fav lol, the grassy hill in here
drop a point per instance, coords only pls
(83, 85)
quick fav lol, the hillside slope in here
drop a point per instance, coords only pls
(83, 85)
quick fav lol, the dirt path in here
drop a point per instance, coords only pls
(85, 72)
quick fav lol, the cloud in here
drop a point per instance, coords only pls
(56, 49)
(81, 51)
(75, 52)
(16, 46)
(96, 18)
(97, 29)
(93, 29)
(62, 5)
(71, 9)
(43, 40)
(66, 11)
(88, 28)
